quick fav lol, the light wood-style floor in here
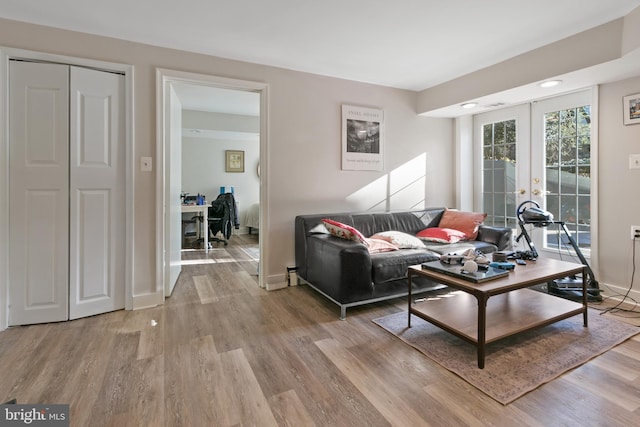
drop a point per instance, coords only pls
(222, 352)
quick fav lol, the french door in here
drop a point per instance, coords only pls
(538, 152)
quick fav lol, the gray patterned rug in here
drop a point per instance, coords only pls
(516, 365)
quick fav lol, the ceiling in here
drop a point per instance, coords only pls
(407, 44)
(217, 100)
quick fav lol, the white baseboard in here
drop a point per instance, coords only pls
(276, 286)
(617, 293)
(146, 301)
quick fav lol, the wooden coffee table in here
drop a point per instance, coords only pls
(481, 313)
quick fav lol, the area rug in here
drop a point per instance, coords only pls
(516, 365)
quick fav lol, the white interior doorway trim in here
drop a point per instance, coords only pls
(164, 80)
(6, 54)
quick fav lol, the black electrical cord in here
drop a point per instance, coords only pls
(616, 308)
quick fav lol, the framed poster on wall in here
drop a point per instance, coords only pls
(362, 138)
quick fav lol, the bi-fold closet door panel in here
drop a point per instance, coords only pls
(96, 192)
(66, 196)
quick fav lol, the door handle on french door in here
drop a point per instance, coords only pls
(538, 192)
(520, 191)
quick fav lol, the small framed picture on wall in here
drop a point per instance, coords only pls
(631, 109)
(234, 161)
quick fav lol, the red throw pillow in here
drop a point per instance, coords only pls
(344, 231)
(441, 235)
(467, 222)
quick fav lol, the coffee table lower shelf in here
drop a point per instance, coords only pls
(506, 314)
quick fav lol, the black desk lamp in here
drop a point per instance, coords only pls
(570, 287)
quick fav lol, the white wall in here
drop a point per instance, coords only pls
(619, 204)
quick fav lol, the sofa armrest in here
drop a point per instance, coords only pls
(499, 236)
(340, 268)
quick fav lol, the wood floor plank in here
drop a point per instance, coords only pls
(289, 410)
(250, 401)
(619, 393)
(619, 364)
(205, 289)
(396, 412)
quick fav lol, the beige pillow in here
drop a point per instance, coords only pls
(400, 239)
(378, 245)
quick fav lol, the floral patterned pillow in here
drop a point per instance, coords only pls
(344, 231)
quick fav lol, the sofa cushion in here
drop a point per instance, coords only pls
(400, 239)
(344, 231)
(387, 266)
(441, 235)
(378, 245)
(467, 222)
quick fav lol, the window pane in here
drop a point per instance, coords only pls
(498, 133)
(568, 151)
(488, 180)
(552, 180)
(552, 206)
(568, 209)
(510, 132)
(584, 210)
(488, 203)
(568, 183)
(487, 134)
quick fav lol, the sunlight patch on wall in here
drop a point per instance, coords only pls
(402, 188)
(407, 184)
(371, 197)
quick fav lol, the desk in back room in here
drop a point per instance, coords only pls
(202, 210)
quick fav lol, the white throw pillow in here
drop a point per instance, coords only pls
(400, 239)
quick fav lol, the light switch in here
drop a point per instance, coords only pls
(146, 164)
(634, 161)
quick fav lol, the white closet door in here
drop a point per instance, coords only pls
(97, 190)
(38, 193)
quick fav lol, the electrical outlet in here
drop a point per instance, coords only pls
(635, 232)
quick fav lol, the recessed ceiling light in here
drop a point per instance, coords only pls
(469, 104)
(550, 83)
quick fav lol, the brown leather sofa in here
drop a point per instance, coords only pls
(346, 273)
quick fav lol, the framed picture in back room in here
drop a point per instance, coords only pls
(234, 161)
